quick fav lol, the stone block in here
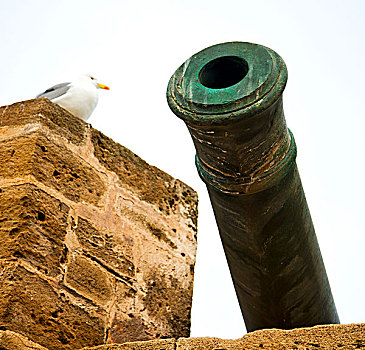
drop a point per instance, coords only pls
(89, 279)
(31, 305)
(22, 115)
(14, 341)
(34, 154)
(97, 245)
(161, 344)
(33, 227)
(326, 337)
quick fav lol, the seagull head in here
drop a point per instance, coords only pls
(89, 79)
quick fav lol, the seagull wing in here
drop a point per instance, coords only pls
(55, 91)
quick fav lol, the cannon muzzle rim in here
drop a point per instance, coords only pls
(224, 82)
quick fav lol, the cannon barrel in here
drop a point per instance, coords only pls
(230, 97)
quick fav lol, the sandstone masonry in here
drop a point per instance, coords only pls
(97, 246)
(326, 337)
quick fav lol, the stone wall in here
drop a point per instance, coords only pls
(97, 246)
(320, 337)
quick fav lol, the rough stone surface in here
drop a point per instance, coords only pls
(319, 337)
(97, 245)
(161, 344)
(350, 336)
(15, 341)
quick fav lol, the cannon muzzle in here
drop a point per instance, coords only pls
(230, 97)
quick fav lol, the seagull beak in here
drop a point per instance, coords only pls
(101, 86)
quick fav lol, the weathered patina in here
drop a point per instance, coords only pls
(230, 97)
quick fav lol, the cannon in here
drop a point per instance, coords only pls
(230, 97)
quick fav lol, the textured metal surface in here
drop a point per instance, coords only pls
(230, 97)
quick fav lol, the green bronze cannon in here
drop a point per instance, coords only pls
(230, 97)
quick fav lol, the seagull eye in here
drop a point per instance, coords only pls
(92, 78)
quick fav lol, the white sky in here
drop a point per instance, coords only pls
(135, 46)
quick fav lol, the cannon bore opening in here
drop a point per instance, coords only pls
(223, 72)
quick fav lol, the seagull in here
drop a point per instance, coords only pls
(78, 97)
